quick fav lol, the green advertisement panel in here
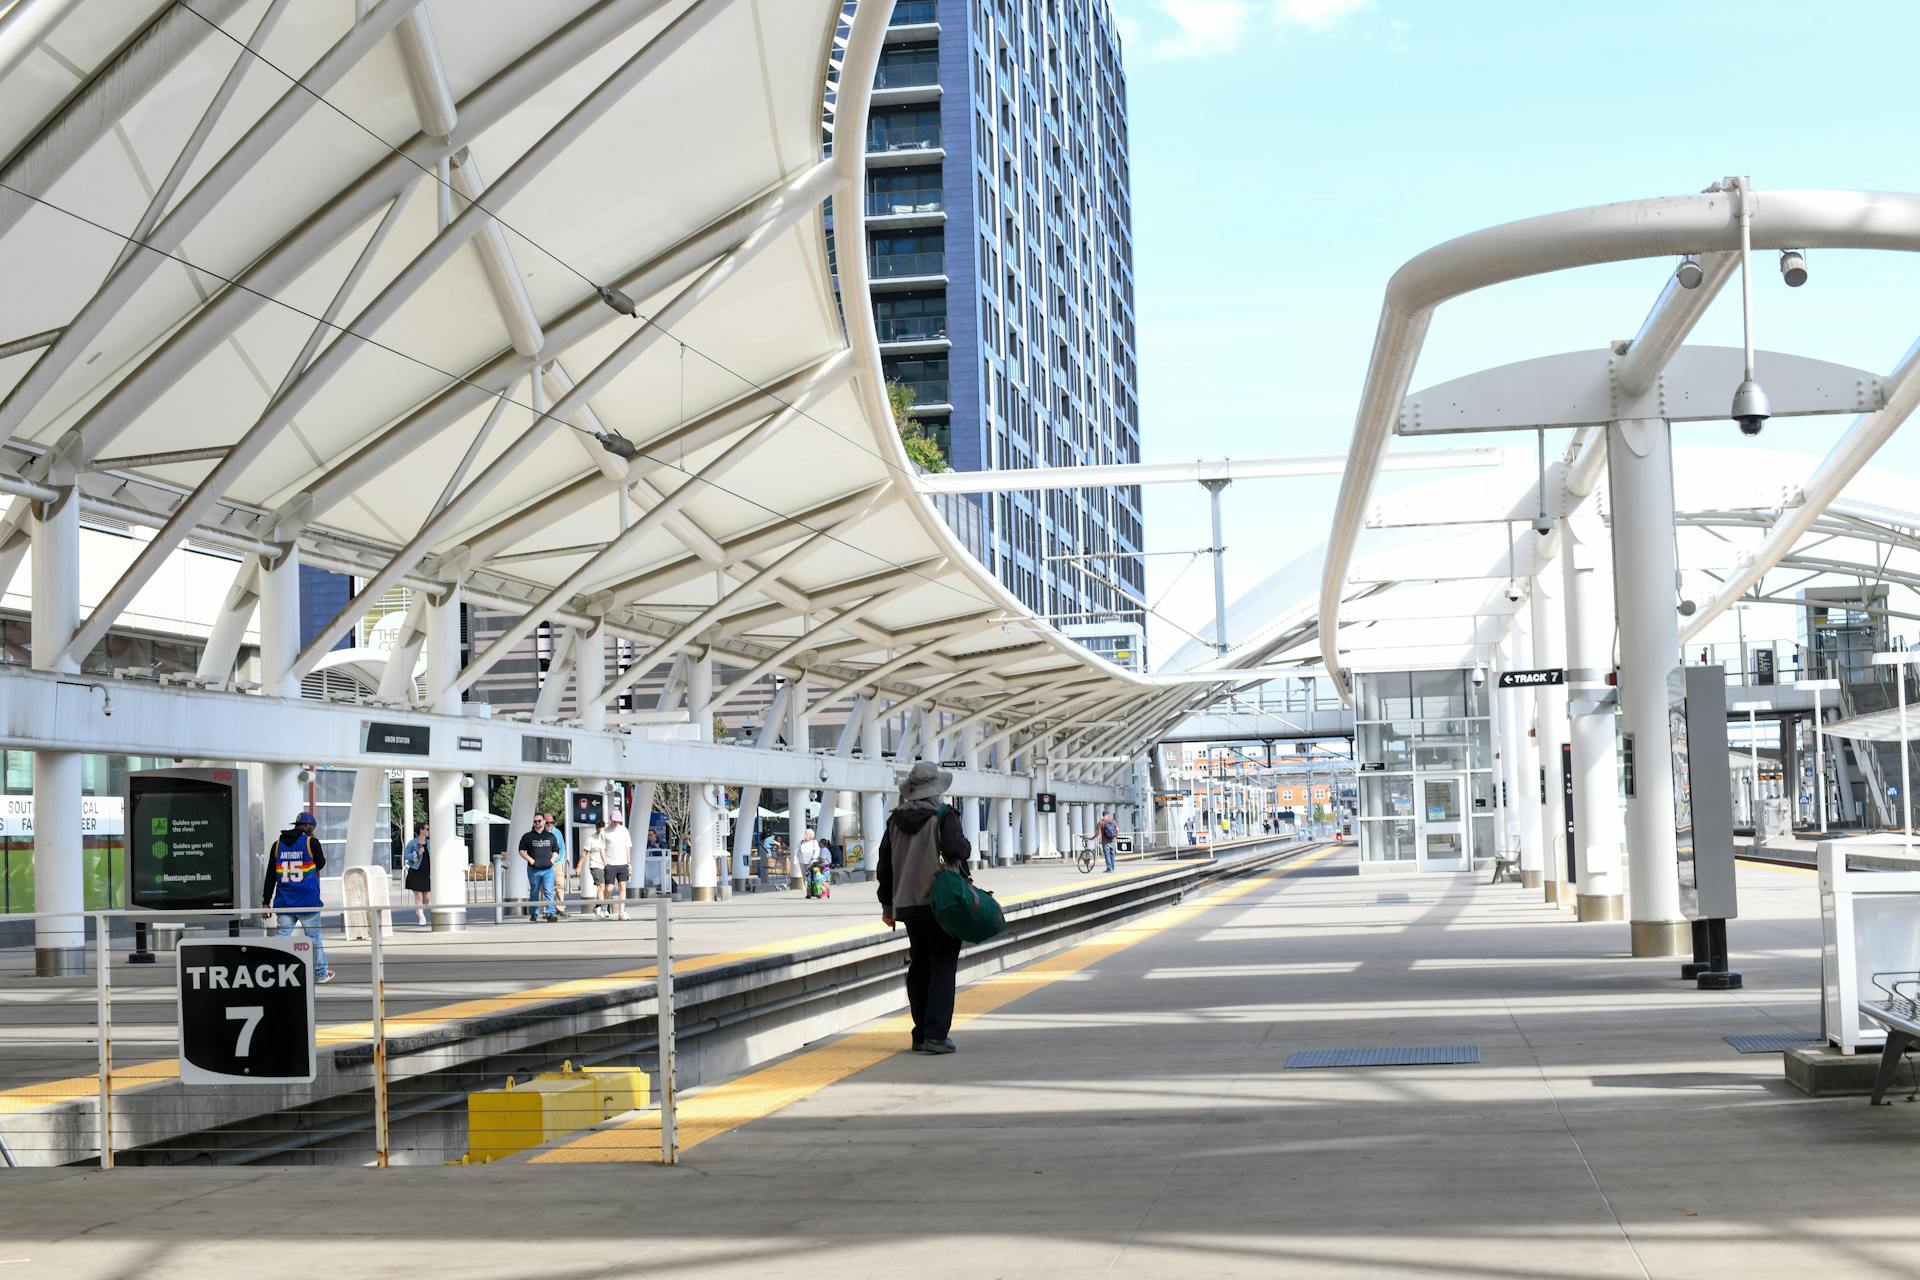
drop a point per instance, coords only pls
(182, 825)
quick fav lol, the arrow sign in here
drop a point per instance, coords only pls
(1532, 679)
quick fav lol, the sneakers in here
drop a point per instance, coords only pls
(326, 976)
(601, 913)
(936, 1047)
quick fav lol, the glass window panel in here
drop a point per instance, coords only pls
(1396, 698)
(1367, 686)
(1482, 837)
(1439, 693)
(1482, 744)
(1443, 756)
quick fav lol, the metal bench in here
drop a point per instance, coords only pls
(1505, 867)
(1899, 1013)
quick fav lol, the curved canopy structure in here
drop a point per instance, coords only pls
(538, 301)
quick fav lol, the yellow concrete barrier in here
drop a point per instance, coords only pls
(552, 1105)
(616, 1089)
(503, 1121)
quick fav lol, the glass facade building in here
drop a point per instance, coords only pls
(1001, 255)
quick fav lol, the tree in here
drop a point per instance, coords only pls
(915, 436)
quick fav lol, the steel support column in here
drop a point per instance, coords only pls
(59, 943)
(1526, 800)
(703, 839)
(283, 796)
(1586, 561)
(1640, 467)
(1548, 611)
(448, 896)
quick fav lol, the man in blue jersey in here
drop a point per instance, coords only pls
(292, 890)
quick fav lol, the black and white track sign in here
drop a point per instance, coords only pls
(1123, 844)
(1532, 679)
(246, 1011)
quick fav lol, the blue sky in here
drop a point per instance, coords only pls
(1288, 155)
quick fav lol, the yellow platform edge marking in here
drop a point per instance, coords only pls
(25, 1098)
(758, 1094)
(1777, 866)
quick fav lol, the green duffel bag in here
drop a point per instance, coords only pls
(965, 910)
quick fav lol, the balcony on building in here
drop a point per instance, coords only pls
(903, 261)
(907, 74)
(903, 137)
(926, 377)
(911, 322)
(905, 198)
(914, 20)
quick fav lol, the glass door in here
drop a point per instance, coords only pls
(1440, 823)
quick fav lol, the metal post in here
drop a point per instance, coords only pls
(702, 843)
(1906, 764)
(1590, 734)
(448, 898)
(1550, 714)
(1640, 471)
(1213, 488)
(1529, 807)
(59, 941)
(1819, 761)
(103, 1014)
(1753, 757)
(379, 980)
(663, 1021)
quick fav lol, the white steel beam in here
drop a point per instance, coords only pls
(1198, 472)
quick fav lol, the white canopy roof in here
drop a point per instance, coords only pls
(368, 320)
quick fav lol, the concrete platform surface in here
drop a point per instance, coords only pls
(1124, 1110)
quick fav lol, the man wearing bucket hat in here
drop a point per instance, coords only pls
(922, 836)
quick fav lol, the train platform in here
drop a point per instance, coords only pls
(47, 1042)
(1126, 1107)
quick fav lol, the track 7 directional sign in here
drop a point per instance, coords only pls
(246, 1011)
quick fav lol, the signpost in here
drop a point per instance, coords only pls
(1532, 679)
(1044, 801)
(246, 1011)
(387, 739)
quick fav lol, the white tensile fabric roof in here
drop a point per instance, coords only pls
(671, 149)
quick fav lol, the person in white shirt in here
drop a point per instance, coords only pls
(617, 853)
(593, 867)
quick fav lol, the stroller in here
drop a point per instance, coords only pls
(819, 882)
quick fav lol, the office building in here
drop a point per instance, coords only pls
(999, 231)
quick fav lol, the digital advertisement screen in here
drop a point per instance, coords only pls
(179, 842)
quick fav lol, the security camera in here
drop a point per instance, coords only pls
(1543, 525)
(1688, 273)
(1793, 267)
(1513, 592)
(1479, 677)
(1688, 608)
(1750, 408)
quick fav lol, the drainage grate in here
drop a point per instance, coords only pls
(1380, 898)
(1433, 1055)
(1772, 1041)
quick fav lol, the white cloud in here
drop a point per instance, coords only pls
(1317, 15)
(1202, 27)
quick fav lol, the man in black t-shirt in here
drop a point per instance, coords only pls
(540, 849)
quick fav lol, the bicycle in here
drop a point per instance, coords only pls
(1084, 856)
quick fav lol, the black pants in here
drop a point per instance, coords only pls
(933, 956)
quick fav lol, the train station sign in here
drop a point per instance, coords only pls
(397, 739)
(246, 1011)
(1532, 679)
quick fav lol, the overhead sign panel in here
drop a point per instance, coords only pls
(396, 739)
(246, 1011)
(1532, 679)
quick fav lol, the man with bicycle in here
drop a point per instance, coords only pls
(1109, 833)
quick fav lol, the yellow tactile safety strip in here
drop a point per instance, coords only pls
(160, 1071)
(1781, 866)
(724, 1107)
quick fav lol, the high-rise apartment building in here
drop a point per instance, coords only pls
(999, 237)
